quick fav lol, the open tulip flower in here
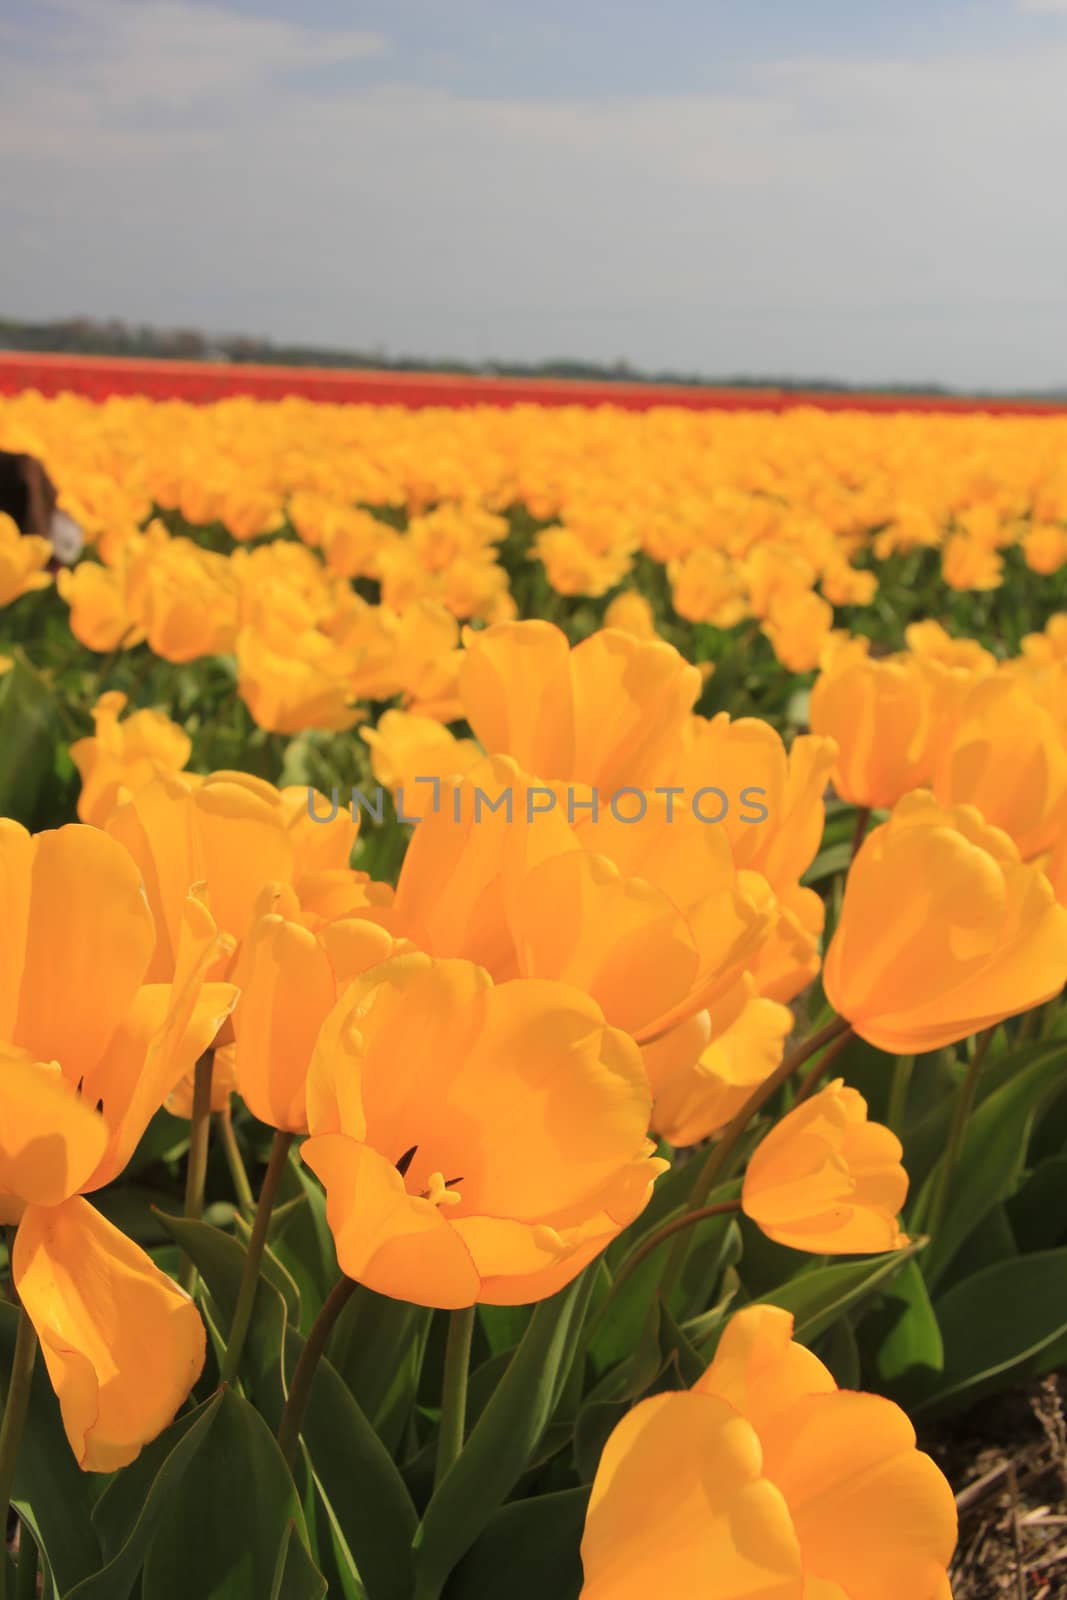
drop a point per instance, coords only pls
(651, 918)
(476, 1142)
(888, 719)
(289, 980)
(702, 1072)
(743, 753)
(1008, 757)
(825, 1179)
(88, 1052)
(23, 561)
(767, 1480)
(789, 957)
(122, 757)
(943, 930)
(238, 836)
(606, 713)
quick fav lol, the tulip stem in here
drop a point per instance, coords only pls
(18, 1401)
(246, 1200)
(257, 1240)
(863, 817)
(721, 1151)
(1028, 1025)
(898, 1093)
(199, 1136)
(810, 1081)
(26, 1587)
(961, 1112)
(304, 1373)
(454, 1393)
(688, 1219)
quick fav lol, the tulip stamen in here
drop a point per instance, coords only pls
(438, 1193)
(405, 1161)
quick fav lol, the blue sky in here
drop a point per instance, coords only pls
(863, 191)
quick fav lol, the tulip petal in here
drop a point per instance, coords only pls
(50, 1139)
(576, 918)
(157, 825)
(553, 1127)
(872, 1513)
(827, 1180)
(394, 1242)
(631, 699)
(759, 1370)
(167, 1027)
(498, 665)
(242, 833)
(287, 988)
(89, 939)
(16, 865)
(680, 1506)
(123, 1344)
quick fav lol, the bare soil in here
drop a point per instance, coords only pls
(1007, 1462)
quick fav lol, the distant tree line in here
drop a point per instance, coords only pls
(112, 337)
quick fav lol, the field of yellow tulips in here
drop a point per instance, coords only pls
(532, 1055)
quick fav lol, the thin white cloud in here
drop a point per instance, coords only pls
(169, 52)
(869, 219)
(1044, 7)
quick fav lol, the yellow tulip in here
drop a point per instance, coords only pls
(1049, 646)
(703, 1072)
(943, 931)
(1009, 759)
(797, 626)
(651, 920)
(476, 1143)
(885, 721)
(631, 612)
(766, 1479)
(23, 558)
(188, 600)
(825, 1179)
(931, 641)
(967, 563)
(122, 757)
(291, 683)
(788, 959)
(604, 713)
(237, 835)
(289, 979)
(100, 616)
(776, 814)
(1045, 548)
(123, 1344)
(706, 587)
(80, 1028)
(407, 750)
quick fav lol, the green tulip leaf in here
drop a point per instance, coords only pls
(135, 1500)
(527, 1551)
(363, 1491)
(992, 1158)
(504, 1439)
(996, 1326)
(217, 1538)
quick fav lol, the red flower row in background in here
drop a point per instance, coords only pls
(201, 382)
